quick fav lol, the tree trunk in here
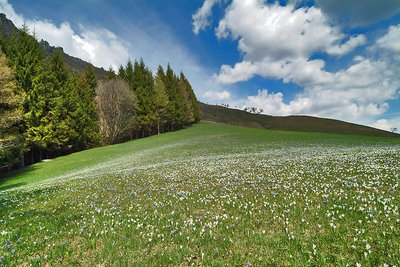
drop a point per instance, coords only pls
(32, 155)
(22, 162)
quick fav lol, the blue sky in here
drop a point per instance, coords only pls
(331, 58)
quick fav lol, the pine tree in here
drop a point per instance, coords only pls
(91, 80)
(168, 80)
(11, 100)
(26, 56)
(121, 72)
(192, 108)
(61, 134)
(176, 99)
(110, 74)
(142, 84)
(160, 99)
(85, 115)
(184, 90)
(129, 75)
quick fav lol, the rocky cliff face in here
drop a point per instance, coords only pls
(6, 26)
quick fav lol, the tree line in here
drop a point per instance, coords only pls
(47, 111)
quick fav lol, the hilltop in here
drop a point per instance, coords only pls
(221, 114)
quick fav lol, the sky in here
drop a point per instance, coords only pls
(335, 59)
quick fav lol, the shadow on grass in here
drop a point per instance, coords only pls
(6, 187)
(10, 180)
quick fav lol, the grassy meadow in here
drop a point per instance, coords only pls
(209, 195)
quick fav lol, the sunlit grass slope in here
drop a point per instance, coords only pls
(288, 123)
(209, 195)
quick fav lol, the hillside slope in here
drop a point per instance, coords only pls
(209, 195)
(202, 139)
(220, 114)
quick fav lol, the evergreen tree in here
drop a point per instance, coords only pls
(91, 80)
(121, 72)
(129, 74)
(176, 99)
(192, 108)
(110, 74)
(142, 84)
(160, 99)
(184, 90)
(26, 56)
(85, 115)
(168, 80)
(11, 100)
(61, 134)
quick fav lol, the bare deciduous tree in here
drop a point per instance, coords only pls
(116, 106)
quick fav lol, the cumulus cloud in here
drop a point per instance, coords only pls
(359, 13)
(202, 15)
(347, 47)
(279, 36)
(387, 124)
(273, 103)
(280, 42)
(98, 46)
(217, 95)
(353, 94)
(390, 43)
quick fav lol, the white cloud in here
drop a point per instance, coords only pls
(280, 42)
(347, 47)
(319, 104)
(273, 103)
(201, 17)
(281, 36)
(217, 95)
(98, 46)
(387, 125)
(390, 42)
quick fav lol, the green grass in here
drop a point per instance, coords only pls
(209, 195)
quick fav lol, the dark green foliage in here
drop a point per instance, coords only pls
(86, 117)
(25, 55)
(161, 101)
(11, 100)
(52, 117)
(110, 74)
(192, 109)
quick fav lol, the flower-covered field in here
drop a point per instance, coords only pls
(211, 195)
